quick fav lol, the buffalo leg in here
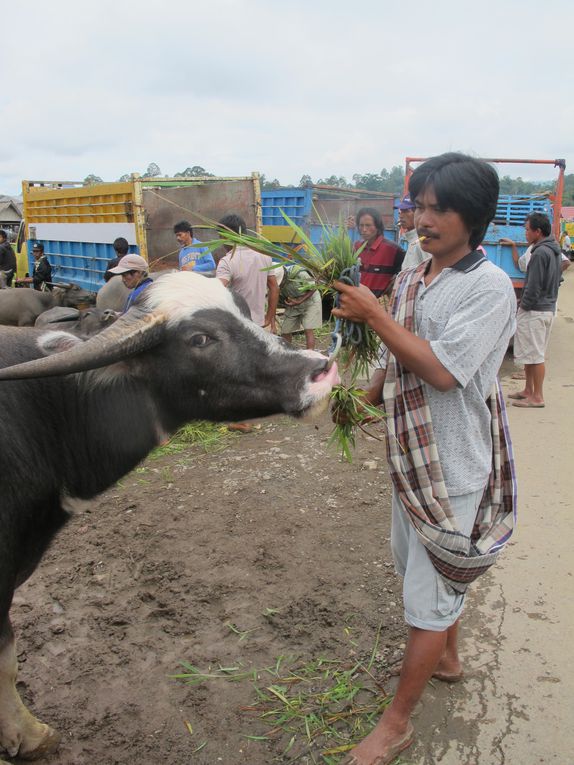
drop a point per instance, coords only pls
(20, 733)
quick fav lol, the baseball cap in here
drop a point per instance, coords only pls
(130, 263)
(406, 203)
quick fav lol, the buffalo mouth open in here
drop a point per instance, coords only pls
(316, 394)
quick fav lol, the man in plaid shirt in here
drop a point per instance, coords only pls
(449, 452)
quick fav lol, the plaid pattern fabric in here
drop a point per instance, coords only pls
(417, 474)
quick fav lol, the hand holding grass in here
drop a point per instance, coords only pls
(357, 304)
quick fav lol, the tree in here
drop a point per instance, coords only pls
(305, 182)
(334, 180)
(266, 185)
(125, 178)
(194, 172)
(152, 171)
(91, 179)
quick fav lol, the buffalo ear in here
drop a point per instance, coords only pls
(57, 342)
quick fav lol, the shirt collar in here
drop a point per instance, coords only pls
(376, 243)
(469, 262)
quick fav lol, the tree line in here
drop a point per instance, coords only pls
(386, 180)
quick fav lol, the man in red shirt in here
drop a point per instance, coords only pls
(381, 259)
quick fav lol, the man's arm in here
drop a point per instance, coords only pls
(272, 300)
(223, 272)
(205, 263)
(415, 354)
(512, 244)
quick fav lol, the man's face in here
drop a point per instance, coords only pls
(184, 238)
(533, 235)
(367, 228)
(407, 219)
(443, 232)
(37, 253)
(131, 279)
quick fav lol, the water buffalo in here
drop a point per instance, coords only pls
(112, 295)
(21, 307)
(81, 323)
(77, 416)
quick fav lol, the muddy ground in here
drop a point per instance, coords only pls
(273, 536)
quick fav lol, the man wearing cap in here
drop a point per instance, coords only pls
(42, 275)
(415, 253)
(134, 272)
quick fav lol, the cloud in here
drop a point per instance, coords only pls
(288, 89)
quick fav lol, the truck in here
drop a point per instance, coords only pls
(314, 207)
(511, 212)
(77, 224)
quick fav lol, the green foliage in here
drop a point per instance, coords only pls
(89, 180)
(152, 171)
(209, 436)
(318, 709)
(194, 172)
(268, 185)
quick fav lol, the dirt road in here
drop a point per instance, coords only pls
(274, 548)
(516, 705)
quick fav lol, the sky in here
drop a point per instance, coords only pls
(284, 88)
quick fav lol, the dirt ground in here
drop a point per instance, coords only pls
(273, 535)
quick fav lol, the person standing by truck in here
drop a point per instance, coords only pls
(380, 258)
(7, 258)
(192, 256)
(42, 276)
(415, 254)
(537, 309)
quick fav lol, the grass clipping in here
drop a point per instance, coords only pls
(306, 711)
(335, 259)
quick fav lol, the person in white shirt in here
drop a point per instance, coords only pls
(415, 254)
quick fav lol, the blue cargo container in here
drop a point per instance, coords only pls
(508, 223)
(300, 205)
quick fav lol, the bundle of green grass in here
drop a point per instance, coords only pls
(334, 259)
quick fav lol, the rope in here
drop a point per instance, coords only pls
(346, 332)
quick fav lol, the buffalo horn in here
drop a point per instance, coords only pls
(133, 333)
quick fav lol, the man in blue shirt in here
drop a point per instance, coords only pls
(192, 257)
(134, 272)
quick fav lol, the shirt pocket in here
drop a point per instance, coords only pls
(433, 327)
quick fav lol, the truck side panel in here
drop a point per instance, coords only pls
(199, 201)
(77, 226)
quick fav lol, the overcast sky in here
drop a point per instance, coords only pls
(286, 88)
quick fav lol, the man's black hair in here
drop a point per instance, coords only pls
(3, 233)
(38, 246)
(538, 220)
(183, 225)
(467, 185)
(375, 215)
(121, 246)
(234, 222)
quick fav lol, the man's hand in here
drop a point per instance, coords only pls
(356, 303)
(506, 240)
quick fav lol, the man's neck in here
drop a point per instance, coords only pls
(439, 262)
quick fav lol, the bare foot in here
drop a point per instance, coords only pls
(529, 403)
(519, 395)
(383, 744)
(447, 670)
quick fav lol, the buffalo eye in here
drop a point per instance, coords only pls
(198, 341)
